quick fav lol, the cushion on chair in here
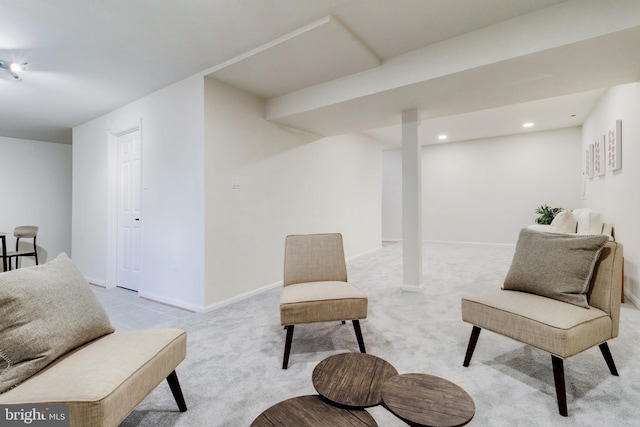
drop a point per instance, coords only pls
(554, 265)
(321, 302)
(45, 312)
(130, 365)
(554, 326)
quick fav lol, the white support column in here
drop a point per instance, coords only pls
(411, 202)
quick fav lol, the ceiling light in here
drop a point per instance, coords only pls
(13, 68)
(442, 137)
(527, 125)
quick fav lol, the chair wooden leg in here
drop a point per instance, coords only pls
(558, 376)
(287, 346)
(356, 327)
(174, 384)
(473, 340)
(604, 348)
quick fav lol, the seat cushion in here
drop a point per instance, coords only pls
(321, 302)
(554, 326)
(103, 381)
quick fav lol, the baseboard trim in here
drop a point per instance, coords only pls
(97, 282)
(455, 242)
(394, 240)
(370, 251)
(632, 299)
(170, 301)
(242, 296)
(413, 288)
(164, 303)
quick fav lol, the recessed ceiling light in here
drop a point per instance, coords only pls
(527, 125)
(13, 69)
(442, 137)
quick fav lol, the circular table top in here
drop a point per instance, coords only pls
(312, 411)
(426, 400)
(352, 379)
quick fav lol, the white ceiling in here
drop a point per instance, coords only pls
(323, 65)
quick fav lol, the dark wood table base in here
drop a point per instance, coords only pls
(312, 411)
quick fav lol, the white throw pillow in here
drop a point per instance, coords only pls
(564, 222)
(589, 221)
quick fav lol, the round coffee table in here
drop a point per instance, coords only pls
(426, 400)
(312, 411)
(352, 379)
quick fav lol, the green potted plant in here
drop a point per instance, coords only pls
(546, 214)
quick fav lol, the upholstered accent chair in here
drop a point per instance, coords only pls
(558, 327)
(316, 287)
(57, 346)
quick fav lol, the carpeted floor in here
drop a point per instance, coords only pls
(233, 368)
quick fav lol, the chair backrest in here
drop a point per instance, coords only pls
(606, 283)
(314, 258)
(26, 231)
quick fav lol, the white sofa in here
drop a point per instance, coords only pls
(579, 221)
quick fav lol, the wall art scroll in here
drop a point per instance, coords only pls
(588, 161)
(599, 156)
(614, 147)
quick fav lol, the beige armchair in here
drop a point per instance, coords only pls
(316, 288)
(558, 327)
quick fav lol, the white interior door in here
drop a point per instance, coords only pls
(129, 203)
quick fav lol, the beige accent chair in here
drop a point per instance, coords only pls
(554, 326)
(104, 380)
(316, 288)
(26, 249)
(57, 346)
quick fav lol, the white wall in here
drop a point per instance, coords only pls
(615, 194)
(487, 190)
(392, 195)
(289, 183)
(37, 191)
(172, 196)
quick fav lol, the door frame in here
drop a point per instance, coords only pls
(114, 131)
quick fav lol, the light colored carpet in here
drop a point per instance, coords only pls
(233, 368)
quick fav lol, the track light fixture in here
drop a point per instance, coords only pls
(13, 68)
